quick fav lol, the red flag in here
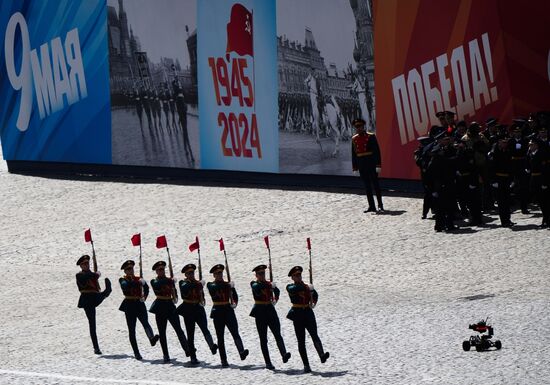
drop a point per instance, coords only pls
(266, 240)
(88, 235)
(161, 242)
(136, 239)
(308, 244)
(194, 246)
(222, 246)
(240, 32)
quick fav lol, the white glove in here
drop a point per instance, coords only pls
(543, 187)
(495, 185)
(527, 171)
(274, 302)
(142, 281)
(232, 284)
(457, 173)
(274, 284)
(518, 146)
(310, 286)
(435, 194)
(233, 305)
(512, 184)
(471, 187)
(98, 273)
(378, 170)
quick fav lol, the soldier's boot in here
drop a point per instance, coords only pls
(286, 357)
(184, 344)
(370, 199)
(108, 288)
(380, 204)
(213, 347)
(269, 365)
(153, 338)
(322, 354)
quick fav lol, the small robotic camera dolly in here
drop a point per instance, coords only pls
(482, 341)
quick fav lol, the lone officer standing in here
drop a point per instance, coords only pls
(90, 295)
(224, 299)
(192, 310)
(164, 309)
(266, 295)
(366, 158)
(135, 292)
(304, 298)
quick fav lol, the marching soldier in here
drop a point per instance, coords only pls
(135, 292)
(538, 168)
(501, 170)
(225, 299)
(518, 148)
(164, 309)
(266, 295)
(181, 108)
(90, 295)
(367, 160)
(304, 298)
(192, 310)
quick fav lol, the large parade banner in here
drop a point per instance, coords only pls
(54, 81)
(468, 57)
(237, 83)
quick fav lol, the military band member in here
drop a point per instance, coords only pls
(192, 310)
(164, 309)
(304, 298)
(367, 160)
(266, 295)
(135, 292)
(518, 147)
(225, 299)
(90, 295)
(500, 159)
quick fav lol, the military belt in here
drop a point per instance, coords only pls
(361, 154)
(300, 305)
(88, 291)
(190, 301)
(502, 174)
(164, 297)
(536, 173)
(220, 303)
(262, 302)
(132, 297)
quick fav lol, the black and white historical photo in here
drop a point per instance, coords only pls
(325, 63)
(153, 79)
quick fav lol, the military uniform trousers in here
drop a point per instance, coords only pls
(304, 319)
(266, 317)
(165, 311)
(503, 198)
(445, 204)
(542, 197)
(88, 302)
(195, 314)
(367, 172)
(135, 310)
(224, 315)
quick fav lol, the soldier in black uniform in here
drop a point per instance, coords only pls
(224, 300)
(181, 107)
(192, 310)
(146, 105)
(165, 97)
(500, 159)
(139, 107)
(366, 158)
(422, 156)
(468, 186)
(135, 292)
(518, 148)
(90, 295)
(304, 298)
(266, 295)
(538, 168)
(164, 309)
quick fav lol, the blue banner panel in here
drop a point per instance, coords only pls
(54, 87)
(237, 72)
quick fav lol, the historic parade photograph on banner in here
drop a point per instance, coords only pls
(153, 80)
(325, 58)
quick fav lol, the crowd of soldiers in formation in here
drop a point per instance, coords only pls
(466, 169)
(295, 113)
(154, 102)
(224, 296)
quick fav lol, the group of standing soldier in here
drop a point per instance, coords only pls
(465, 169)
(135, 289)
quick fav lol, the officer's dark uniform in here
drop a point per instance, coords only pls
(518, 149)
(422, 158)
(164, 309)
(303, 300)
(135, 292)
(265, 295)
(90, 296)
(192, 310)
(365, 157)
(468, 186)
(224, 298)
(538, 166)
(501, 172)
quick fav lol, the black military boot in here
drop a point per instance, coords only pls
(286, 357)
(243, 354)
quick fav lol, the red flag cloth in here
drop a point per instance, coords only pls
(88, 235)
(136, 239)
(161, 242)
(222, 246)
(308, 244)
(240, 32)
(194, 246)
(266, 240)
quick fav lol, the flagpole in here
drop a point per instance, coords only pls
(310, 265)
(200, 266)
(140, 262)
(171, 270)
(253, 61)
